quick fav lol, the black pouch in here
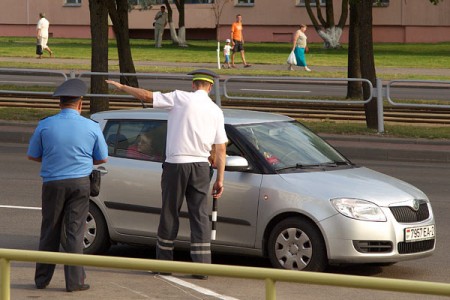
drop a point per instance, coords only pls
(95, 178)
(39, 50)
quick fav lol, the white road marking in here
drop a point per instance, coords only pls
(21, 207)
(133, 291)
(281, 91)
(196, 288)
(172, 279)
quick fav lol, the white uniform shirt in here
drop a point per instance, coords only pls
(195, 123)
(43, 24)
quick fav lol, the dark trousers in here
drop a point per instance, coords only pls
(63, 200)
(190, 180)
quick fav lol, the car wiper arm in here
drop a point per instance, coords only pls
(310, 166)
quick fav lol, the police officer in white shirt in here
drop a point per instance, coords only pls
(195, 124)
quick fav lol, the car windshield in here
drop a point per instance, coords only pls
(290, 145)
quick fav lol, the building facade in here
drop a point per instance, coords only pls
(412, 21)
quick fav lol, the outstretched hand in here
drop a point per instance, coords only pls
(118, 85)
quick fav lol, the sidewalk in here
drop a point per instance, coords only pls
(352, 146)
(283, 67)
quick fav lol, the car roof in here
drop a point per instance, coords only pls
(232, 116)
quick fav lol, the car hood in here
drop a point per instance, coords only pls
(360, 183)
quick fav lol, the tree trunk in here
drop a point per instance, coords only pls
(326, 28)
(172, 29)
(354, 88)
(118, 11)
(331, 37)
(181, 24)
(367, 61)
(99, 58)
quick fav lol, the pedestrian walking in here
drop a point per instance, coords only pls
(67, 145)
(237, 38)
(42, 35)
(299, 47)
(226, 54)
(195, 125)
(159, 24)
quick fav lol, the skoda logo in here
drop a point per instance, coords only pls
(416, 205)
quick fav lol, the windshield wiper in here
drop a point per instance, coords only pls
(312, 166)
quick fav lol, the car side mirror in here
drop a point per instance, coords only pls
(236, 163)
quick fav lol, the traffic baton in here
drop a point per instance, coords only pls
(214, 218)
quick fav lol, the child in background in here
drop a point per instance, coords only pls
(226, 53)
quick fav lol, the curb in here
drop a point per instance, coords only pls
(386, 148)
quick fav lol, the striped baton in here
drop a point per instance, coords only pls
(214, 218)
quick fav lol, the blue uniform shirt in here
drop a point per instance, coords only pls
(68, 143)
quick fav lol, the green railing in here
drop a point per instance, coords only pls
(271, 276)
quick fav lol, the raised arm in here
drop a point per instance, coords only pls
(138, 93)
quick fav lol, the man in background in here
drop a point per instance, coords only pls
(42, 34)
(160, 23)
(237, 41)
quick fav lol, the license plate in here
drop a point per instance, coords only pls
(420, 233)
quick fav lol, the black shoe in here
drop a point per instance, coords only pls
(201, 277)
(82, 287)
(41, 286)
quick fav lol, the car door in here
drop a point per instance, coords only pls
(238, 206)
(131, 189)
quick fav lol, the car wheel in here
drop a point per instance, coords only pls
(296, 244)
(96, 238)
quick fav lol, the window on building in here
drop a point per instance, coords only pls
(198, 1)
(313, 2)
(73, 2)
(381, 3)
(244, 2)
(159, 2)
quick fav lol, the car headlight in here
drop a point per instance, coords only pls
(359, 209)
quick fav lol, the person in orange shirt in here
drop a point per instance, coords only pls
(237, 38)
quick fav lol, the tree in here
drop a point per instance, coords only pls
(361, 62)
(99, 57)
(326, 28)
(354, 88)
(217, 7)
(181, 37)
(118, 11)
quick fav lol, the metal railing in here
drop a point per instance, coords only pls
(435, 83)
(380, 92)
(270, 276)
(296, 79)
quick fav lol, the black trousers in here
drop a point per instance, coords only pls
(63, 200)
(190, 181)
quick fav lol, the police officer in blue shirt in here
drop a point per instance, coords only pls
(67, 145)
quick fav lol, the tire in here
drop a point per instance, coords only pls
(96, 238)
(296, 244)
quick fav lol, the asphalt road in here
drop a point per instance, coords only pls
(20, 184)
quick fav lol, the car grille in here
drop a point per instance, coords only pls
(373, 246)
(405, 214)
(414, 247)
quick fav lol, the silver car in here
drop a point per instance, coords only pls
(289, 196)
